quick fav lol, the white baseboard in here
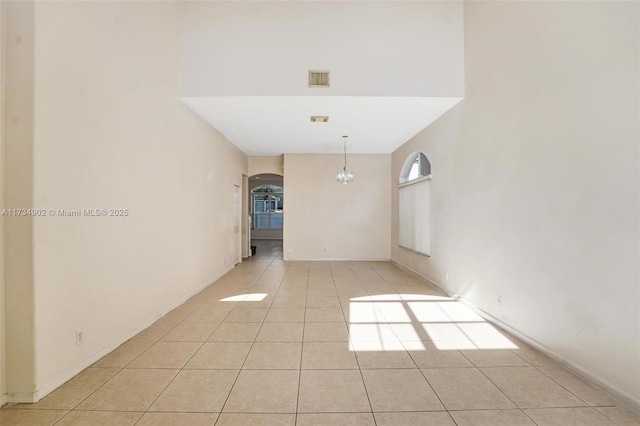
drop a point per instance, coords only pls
(332, 259)
(28, 397)
(20, 397)
(624, 398)
(3, 400)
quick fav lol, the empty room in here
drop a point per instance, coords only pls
(320, 213)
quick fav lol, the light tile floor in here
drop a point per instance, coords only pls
(322, 343)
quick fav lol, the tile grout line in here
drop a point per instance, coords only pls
(343, 298)
(414, 361)
(191, 357)
(536, 367)
(172, 380)
(475, 367)
(304, 325)
(482, 372)
(571, 391)
(180, 369)
(120, 369)
(364, 385)
(250, 348)
(505, 394)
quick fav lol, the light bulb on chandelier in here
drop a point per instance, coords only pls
(343, 176)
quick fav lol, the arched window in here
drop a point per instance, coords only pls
(414, 193)
(415, 166)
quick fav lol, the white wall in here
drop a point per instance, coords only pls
(270, 46)
(3, 375)
(110, 132)
(536, 181)
(18, 193)
(327, 220)
(272, 165)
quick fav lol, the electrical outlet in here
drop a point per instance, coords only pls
(79, 337)
(499, 300)
(446, 277)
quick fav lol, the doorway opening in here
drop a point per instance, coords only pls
(266, 211)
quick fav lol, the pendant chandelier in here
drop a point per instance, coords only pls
(343, 176)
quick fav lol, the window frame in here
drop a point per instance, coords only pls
(424, 167)
(273, 197)
(417, 237)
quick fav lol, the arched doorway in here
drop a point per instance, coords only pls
(266, 210)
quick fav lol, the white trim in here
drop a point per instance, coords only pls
(416, 180)
(3, 400)
(334, 259)
(21, 397)
(413, 251)
(610, 389)
(613, 391)
(16, 397)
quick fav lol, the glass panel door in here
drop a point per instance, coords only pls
(267, 210)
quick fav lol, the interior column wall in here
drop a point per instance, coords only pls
(18, 191)
(3, 377)
(245, 227)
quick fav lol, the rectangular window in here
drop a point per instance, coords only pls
(415, 215)
(267, 210)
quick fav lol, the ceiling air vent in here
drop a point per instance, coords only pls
(319, 118)
(318, 78)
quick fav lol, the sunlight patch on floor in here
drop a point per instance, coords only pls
(394, 322)
(380, 346)
(397, 296)
(250, 297)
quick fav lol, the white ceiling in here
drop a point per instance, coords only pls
(274, 125)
